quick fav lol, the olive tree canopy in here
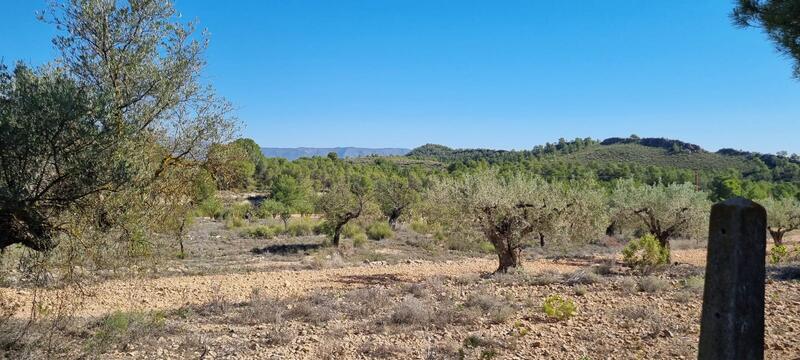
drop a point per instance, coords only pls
(664, 210)
(108, 133)
(783, 216)
(508, 211)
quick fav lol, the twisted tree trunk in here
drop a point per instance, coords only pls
(777, 235)
(22, 225)
(507, 255)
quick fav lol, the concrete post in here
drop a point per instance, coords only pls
(732, 324)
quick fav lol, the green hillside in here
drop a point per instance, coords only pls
(648, 159)
(646, 156)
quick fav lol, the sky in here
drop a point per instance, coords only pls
(507, 74)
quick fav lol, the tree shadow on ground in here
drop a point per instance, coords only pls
(377, 279)
(784, 272)
(285, 249)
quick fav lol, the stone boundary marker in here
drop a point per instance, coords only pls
(732, 322)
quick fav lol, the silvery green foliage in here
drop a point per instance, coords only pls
(524, 205)
(783, 216)
(148, 63)
(664, 210)
(113, 132)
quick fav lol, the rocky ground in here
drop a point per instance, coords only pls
(406, 303)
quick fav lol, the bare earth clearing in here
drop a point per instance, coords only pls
(394, 300)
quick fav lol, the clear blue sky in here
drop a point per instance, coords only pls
(497, 74)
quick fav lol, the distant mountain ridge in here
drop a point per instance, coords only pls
(342, 152)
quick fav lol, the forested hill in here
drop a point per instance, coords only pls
(617, 157)
(342, 152)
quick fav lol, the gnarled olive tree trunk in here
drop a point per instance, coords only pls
(507, 247)
(21, 225)
(777, 235)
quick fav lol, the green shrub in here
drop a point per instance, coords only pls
(420, 226)
(379, 231)
(239, 210)
(778, 254)
(300, 228)
(694, 284)
(124, 327)
(645, 253)
(261, 232)
(486, 247)
(210, 207)
(322, 228)
(350, 230)
(359, 239)
(558, 308)
(234, 222)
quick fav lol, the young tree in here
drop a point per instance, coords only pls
(783, 216)
(343, 202)
(665, 210)
(778, 18)
(395, 194)
(291, 195)
(505, 210)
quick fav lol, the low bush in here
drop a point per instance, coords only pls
(322, 228)
(645, 254)
(420, 226)
(652, 284)
(486, 247)
(300, 228)
(694, 284)
(364, 302)
(359, 239)
(125, 327)
(324, 260)
(350, 230)
(234, 223)
(604, 268)
(628, 285)
(778, 254)
(411, 311)
(308, 311)
(556, 307)
(379, 231)
(260, 232)
(240, 210)
(496, 309)
(210, 207)
(583, 277)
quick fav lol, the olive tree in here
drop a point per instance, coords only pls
(783, 216)
(664, 210)
(507, 211)
(395, 194)
(99, 135)
(346, 200)
(57, 148)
